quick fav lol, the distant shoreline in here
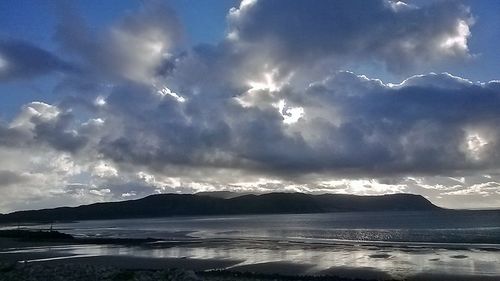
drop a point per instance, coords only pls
(54, 236)
(164, 205)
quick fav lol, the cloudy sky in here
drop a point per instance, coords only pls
(114, 100)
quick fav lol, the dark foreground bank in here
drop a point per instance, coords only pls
(77, 272)
(85, 272)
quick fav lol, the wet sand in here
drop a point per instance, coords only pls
(259, 258)
(283, 268)
(136, 263)
(127, 268)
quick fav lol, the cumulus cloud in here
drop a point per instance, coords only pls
(145, 116)
(353, 124)
(398, 35)
(137, 47)
(39, 123)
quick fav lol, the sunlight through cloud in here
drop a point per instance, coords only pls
(290, 115)
(475, 145)
(459, 40)
(167, 92)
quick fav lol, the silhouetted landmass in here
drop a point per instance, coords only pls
(162, 205)
(56, 236)
(223, 194)
(36, 235)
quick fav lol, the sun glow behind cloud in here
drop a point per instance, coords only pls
(475, 144)
(100, 101)
(290, 114)
(459, 40)
(165, 91)
(268, 83)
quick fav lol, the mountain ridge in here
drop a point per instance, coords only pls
(164, 205)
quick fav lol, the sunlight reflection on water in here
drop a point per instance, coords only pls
(399, 262)
(400, 244)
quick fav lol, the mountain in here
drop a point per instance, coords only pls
(162, 205)
(223, 194)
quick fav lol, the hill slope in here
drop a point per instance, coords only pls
(191, 204)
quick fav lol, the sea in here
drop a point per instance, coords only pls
(374, 244)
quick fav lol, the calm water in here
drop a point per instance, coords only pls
(431, 227)
(379, 245)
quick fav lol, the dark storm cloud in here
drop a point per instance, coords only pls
(22, 60)
(426, 125)
(159, 130)
(429, 124)
(57, 133)
(396, 34)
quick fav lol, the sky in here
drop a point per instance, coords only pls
(116, 100)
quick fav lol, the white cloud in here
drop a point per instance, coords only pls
(100, 101)
(164, 91)
(457, 43)
(34, 110)
(290, 114)
(100, 192)
(104, 170)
